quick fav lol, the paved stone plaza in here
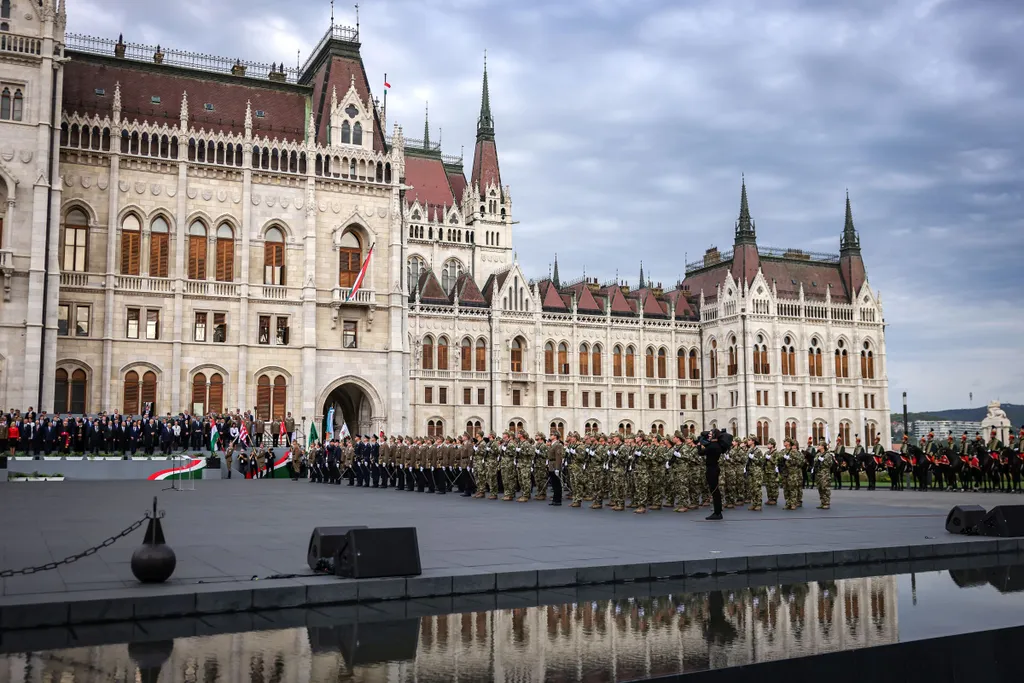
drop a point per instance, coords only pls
(226, 532)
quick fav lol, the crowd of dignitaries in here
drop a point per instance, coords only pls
(642, 472)
(39, 434)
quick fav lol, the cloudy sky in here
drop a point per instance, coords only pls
(623, 127)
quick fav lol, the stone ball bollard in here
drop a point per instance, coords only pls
(154, 560)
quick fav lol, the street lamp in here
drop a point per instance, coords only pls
(304, 434)
(906, 429)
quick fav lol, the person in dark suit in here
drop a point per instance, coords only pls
(711, 446)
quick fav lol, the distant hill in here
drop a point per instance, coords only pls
(1014, 412)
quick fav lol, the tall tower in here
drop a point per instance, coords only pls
(851, 265)
(30, 203)
(745, 260)
(491, 210)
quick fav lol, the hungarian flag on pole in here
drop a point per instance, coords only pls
(362, 273)
(243, 435)
(386, 84)
(214, 437)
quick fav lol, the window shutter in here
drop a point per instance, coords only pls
(225, 259)
(197, 257)
(199, 391)
(279, 396)
(130, 252)
(216, 394)
(149, 388)
(263, 397)
(131, 393)
(158, 254)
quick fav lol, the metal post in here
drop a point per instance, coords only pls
(906, 429)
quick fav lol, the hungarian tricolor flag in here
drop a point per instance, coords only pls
(362, 273)
(386, 84)
(214, 437)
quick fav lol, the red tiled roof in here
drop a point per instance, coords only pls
(619, 303)
(485, 165)
(429, 183)
(549, 297)
(457, 182)
(745, 261)
(430, 289)
(652, 306)
(494, 282)
(585, 300)
(469, 293)
(816, 278)
(682, 305)
(284, 106)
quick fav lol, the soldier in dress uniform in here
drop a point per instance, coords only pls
(855, 463)
(874, 462)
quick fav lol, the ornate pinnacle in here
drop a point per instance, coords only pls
(554, 278)
(311, 129)
(334, 98)
(744, 226)
(426, 126)
(641, 275)
(850, 239)
(485, 123)
(184, 110)
(248, 117)
(117, 101)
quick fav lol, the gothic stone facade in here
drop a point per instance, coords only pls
(193, 239)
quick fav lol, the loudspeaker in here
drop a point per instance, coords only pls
(1008, 579)
(1004, 521)
(963, 518)
(373, 553)
(362, 644)
(324, 543)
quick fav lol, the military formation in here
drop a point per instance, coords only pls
(641, 472)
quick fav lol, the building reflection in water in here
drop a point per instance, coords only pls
(603, 640)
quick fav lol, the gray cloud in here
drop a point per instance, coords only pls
(630, 121)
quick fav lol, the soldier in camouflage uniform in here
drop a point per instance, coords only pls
(642, 466)
(574, 454)
(524, 468)
(599, 472)
(493, 459)
(658, 454)
(792, 473)
(617, 474)
(755, 474)
(678, 485)
(771, 473)
(540, 466)
(510, 465)
(823, 463)
(730, 482)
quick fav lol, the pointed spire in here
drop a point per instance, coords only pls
(183, 115)
(554, 277)
(426, 125)
(850, 240)
(744, 225)
(311, 129)
(641, 275)
(485, 123)
(248, 118)
(334, 97)
(117, 102)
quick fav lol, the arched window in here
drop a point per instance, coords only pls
(350, 255)
(199, 394)
(658, 428)
(733, 367)
(788, 357)
(584, 360)
(346, 133)
(591, 429)
(870, 432)
(761, 365)
(649, 362)
(867, 363)
(563, 359)
(453, 268)
(131, 232)
(662, 363)
(18, 106)
(694, 365)
(842, 360)
(516, 426)
(357, 133)
(197, 251)
(549, 359)
(557, 428)
(473, 428)
(466, 355)
(630, 361)
(595, 360)
(762, 432)
(791, 430)
(428, 353)
(442, 353)
(61, 388)
(5, 101)
(617, 361)
(159, 247)
(280, 397)
(481, 355)
(626, 428)
(216, 393)
(818, 431)
(263, 396)
(149, 391)
(732, 428)
(844, 432)
(131, 393)
(681, 364)
(413, 269)
(713, 359)
(76, 240)
(814, 359)
(5, 9)
(516, 355)
(273, 257)
(225, 253)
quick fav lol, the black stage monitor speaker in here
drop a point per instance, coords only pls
(373, 553)
(963, 518)
(324, 543)
(364, 644)
(1004, 521)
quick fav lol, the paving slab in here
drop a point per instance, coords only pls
(468, 546)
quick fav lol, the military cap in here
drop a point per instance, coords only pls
(771, 442)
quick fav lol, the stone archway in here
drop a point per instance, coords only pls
(356, 404)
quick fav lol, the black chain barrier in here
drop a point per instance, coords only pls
(7, 573)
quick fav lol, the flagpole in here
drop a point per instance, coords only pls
(385, 100)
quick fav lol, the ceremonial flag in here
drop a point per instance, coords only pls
(312, 433)
(382, 435)
(243, 435)
(344, 431)
(214, 437)
(329, 424)
(386, 84)
(362, 273)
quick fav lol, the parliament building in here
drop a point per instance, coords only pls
(188, 232)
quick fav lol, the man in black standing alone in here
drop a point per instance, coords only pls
(711, 448)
